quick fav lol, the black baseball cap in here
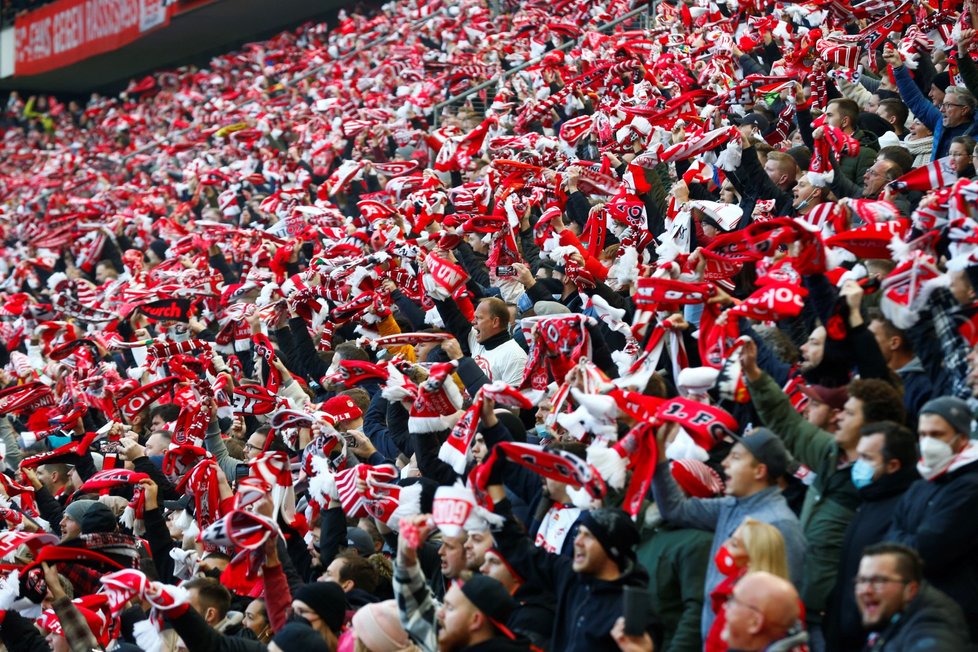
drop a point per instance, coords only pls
(491, 598)
(752, 118)
(768, 449)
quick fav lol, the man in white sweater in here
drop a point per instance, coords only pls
(487, 339)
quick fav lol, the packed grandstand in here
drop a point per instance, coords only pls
(573, 325)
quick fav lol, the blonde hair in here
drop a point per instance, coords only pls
(765, 548)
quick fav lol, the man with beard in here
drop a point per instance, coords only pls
(473, 616)
(474, 613)
(476, 545)
(900, 609)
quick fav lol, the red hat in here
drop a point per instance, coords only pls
(342, 408)
(834, 397)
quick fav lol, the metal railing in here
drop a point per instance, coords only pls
(381, 40)
(638, 18)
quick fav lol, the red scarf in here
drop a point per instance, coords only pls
(455, 450)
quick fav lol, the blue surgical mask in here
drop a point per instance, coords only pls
(862, 473)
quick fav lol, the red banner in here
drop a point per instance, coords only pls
(68, 31)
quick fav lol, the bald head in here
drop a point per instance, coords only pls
(763, 610)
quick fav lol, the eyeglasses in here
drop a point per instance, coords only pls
(732, 600)
(946, 105)
(877, 582)
(252, 447)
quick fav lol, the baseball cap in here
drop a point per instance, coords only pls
(491, 598)
(342, 408)
(834, 397)
(359, 539)
(752, 118)
(768, 449)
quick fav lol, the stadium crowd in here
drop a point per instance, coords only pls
(670, 346)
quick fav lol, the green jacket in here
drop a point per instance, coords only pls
(854, 167)
(831, 499)
(676, 559)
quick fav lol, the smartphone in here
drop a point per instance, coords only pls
(636, 609)
(241, 471)
(870, 284)
(109, 447)
(505, 271)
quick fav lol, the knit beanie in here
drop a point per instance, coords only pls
(953, 410)
(98, 518)
(76, 511)
(327, 600)
(378, 627)
(616, 533)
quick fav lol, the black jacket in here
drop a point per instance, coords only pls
(869, 525)
(932, 622)
(937, 518)
(534, 618)
(587, 608)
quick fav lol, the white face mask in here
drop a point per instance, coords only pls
(935, 456)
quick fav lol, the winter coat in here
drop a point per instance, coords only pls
(587, 608)
(867, 527)
(677, 558)
(932, 622)
(831, 500)
(724, 516)
(937, 518)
